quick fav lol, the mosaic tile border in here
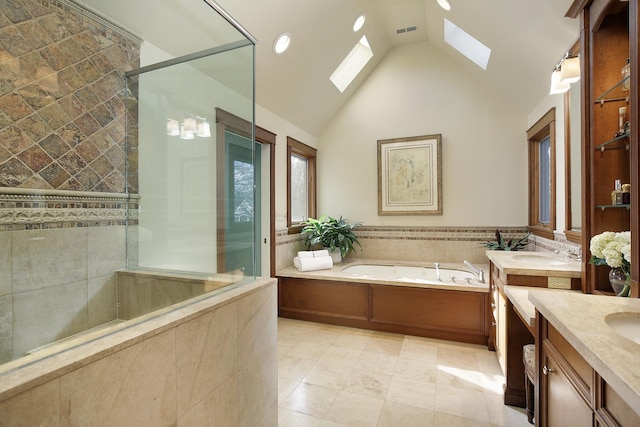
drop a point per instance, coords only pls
(466, 234)
(31, 211)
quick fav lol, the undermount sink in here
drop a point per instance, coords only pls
(539, 259)
(625, 324)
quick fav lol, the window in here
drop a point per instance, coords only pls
(542, 190)
(301, 184)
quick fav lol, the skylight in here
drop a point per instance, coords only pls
(466, 44)
(352, 64)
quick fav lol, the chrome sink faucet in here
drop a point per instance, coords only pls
(479, 272)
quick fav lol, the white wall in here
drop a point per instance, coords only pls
(282, 128)
(416, 90)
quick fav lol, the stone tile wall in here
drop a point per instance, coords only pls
(62, 141)
(62, 97)
(412, 244)
(58, 257)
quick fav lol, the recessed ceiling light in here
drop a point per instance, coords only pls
(282, 43)
(357, 25)
(444, 4)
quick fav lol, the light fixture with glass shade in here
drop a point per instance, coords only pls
(190, 127)
(557, 84)
(570, 69)
(173, 128)
(204, 130)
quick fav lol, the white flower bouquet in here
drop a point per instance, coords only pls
(612, 249)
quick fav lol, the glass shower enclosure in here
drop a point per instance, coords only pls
(191, 160)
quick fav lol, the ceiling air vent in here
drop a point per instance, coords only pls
(406, 30)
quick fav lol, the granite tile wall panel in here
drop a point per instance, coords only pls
(102, 300)
(215, 334)
(61, 98)
(133, 387)
(44, 258)
(6, 328)
(5, 264)
(39, 406)
(35, 326)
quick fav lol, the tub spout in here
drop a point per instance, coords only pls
(476, 270)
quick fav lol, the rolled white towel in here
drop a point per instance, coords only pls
(305, 254)
(312, 264)
(320, 253)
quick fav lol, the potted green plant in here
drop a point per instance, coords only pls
(332, 234)
(502, 244)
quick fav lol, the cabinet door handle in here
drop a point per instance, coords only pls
(546, 370)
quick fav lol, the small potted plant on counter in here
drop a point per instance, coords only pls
(336, 235)
(502, 244)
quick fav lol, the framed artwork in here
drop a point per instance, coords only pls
(410, 175)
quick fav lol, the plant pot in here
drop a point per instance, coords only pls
(619, 281)
(336, 257)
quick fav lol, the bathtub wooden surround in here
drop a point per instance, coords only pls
(448, 312)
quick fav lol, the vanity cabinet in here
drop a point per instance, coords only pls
(608, 37)
(508, 334)
(570, 392)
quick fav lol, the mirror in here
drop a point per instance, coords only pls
(573, 163)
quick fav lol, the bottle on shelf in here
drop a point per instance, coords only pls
(622, 113)
(626, 72)
(616, 194)
(626, 194)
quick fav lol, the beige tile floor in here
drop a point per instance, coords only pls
(331, 376)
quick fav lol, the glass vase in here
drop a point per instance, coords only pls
(619, 281)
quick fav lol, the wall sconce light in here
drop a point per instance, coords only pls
(185, 134)
(570, 71)
(173, 128)
(566, 71)
(189, 128)
(557, 84)
(204, 130)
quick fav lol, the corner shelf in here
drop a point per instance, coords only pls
(602, 146)
(603, 207)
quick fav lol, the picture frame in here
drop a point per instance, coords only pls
(410, 175)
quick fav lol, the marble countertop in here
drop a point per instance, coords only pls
(529, 263)
(519, 297)
(580, 318)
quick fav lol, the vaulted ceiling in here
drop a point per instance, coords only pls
(526, 38)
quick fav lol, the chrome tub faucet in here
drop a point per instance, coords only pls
(479, 272)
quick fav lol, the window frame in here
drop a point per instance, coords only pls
(295, 147)
(543, 128)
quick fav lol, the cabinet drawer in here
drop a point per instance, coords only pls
(573, 358)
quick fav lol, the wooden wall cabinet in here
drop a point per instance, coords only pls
(608, 36)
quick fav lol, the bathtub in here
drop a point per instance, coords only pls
(391, 297)
(414, 274)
